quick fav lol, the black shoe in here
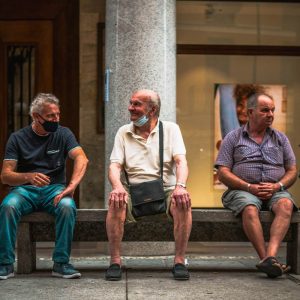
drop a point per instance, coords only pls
(113, 273)
(180, 272)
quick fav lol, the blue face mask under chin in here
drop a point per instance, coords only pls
(141, 121)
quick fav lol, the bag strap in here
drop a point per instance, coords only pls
(161, 151)
(161, 148)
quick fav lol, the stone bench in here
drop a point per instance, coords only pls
(217, 225)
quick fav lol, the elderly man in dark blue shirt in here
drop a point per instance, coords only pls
(257, 164)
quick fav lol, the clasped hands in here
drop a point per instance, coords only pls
(264, 190)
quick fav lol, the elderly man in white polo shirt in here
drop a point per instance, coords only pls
(136, 152)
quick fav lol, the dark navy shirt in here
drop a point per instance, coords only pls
(43, 154)
(252, 162)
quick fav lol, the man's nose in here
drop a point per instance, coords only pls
(55, 117)
(130, 107)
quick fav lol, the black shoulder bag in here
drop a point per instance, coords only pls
(148, 198)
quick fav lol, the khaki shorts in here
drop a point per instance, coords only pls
(130, 218)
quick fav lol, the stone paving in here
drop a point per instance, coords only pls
(216, 273)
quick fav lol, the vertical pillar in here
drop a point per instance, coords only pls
(140, 53)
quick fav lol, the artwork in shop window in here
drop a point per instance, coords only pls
(231, 111)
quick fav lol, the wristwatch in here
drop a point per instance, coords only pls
(181, 184)
(282, 187)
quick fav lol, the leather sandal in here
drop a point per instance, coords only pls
(272, 267)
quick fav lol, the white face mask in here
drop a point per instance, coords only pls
(141, 121)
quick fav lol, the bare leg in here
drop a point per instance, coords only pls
(283, 210)
(253, 229)
(115, 221)
(182, 228)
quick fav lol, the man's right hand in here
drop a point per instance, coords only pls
(262, 191)
(38, 179)
(118, 197)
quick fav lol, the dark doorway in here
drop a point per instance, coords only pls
(39, 52)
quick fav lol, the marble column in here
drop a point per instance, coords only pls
(140, 53)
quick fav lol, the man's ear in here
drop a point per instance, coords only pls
(35, 116)
(154, 109)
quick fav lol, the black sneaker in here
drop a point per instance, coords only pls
(180, 272)
(6, 271)
(113, 273)
(65, 271)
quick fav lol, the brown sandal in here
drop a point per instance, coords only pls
(272, 267)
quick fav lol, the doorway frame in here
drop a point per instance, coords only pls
(65, 17)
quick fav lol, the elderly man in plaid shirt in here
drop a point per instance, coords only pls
(257, 164)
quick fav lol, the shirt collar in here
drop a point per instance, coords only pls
(245, 130)
(130, 128)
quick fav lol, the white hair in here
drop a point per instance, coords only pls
(40, 100)
(153, 98)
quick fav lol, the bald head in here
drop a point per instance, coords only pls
(253, 99)
(151, 97)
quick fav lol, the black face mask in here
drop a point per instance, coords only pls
(49, 126)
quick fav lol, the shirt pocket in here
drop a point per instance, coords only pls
(54, 158)
(242, 153)
(274, 155)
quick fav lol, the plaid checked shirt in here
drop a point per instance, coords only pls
(256, 163)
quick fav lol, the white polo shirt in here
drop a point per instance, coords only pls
(140, 157)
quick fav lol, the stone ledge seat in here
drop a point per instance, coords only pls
(209, 225)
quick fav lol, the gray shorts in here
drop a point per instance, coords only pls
(237, 200)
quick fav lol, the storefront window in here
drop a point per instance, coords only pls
(238, 23)
(200, 78)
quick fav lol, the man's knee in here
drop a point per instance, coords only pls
(250, 212)
(67, 207)
(7, 209)
(10, 204)
(283, 207)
